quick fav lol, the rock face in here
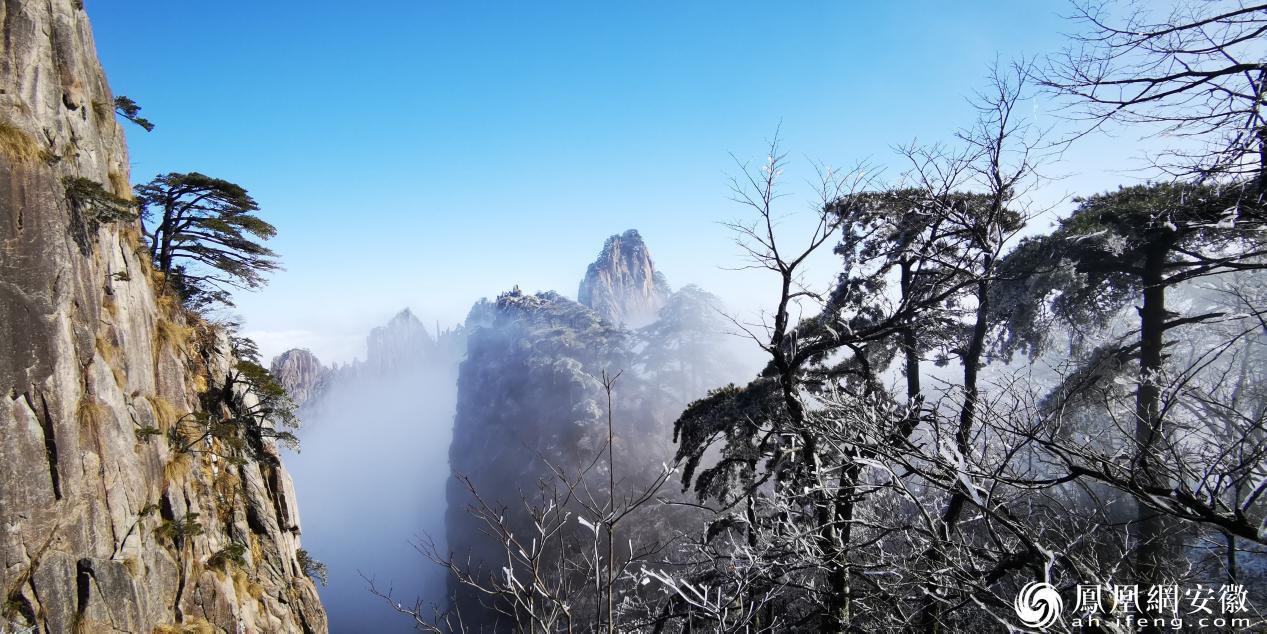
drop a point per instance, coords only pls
(94, 368)
(622, 285)
(301, 373)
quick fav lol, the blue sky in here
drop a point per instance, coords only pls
(427, 154)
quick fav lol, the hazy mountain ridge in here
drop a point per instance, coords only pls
(399, 347)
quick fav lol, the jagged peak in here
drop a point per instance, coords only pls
(402, 341)
(295, 353)
(405, 315)
(403, 322)
(623, 285)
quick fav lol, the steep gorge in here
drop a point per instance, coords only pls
(108, 526)
(375, 435)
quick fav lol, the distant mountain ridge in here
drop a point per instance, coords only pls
(398, 347)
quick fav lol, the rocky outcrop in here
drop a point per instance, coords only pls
(623, 285)
(107, 526)
(300, 372)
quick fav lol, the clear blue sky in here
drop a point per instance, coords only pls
(426, 154)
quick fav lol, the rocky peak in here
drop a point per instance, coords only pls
(301, 373)
(622, 285)
(402, 342)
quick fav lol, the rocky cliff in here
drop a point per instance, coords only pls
(623, 285)
(111, 522)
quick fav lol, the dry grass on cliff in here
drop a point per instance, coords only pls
(243, 587)
(18, 146)
(110, 354)
(131, 235)
(135, 566)
(119, 185)
(164, 411)
(104, 111)
(227, 486)
(87, 626)
(256, 548)
(171, 333)
(194, 626)
(91, 414)
(177, 469)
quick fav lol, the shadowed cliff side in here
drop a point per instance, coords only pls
(110, 524)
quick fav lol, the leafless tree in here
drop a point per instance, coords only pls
(1196, 70)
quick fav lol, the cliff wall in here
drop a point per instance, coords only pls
(105, 524)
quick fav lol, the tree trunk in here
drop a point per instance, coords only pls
(1153, 531)
(930, 613)
(910, 349)
(1150, 527)
(840, 612)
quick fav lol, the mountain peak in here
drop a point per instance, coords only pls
(301, 374)
(403, 341)
(622, 285)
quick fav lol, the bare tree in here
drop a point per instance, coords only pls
(1197, 70)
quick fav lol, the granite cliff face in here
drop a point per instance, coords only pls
(107, 525)
(623, 285)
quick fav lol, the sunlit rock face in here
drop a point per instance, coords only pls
(622, 285)
(94, 366)
(300, 372)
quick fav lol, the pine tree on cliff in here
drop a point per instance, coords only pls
(206, 238)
